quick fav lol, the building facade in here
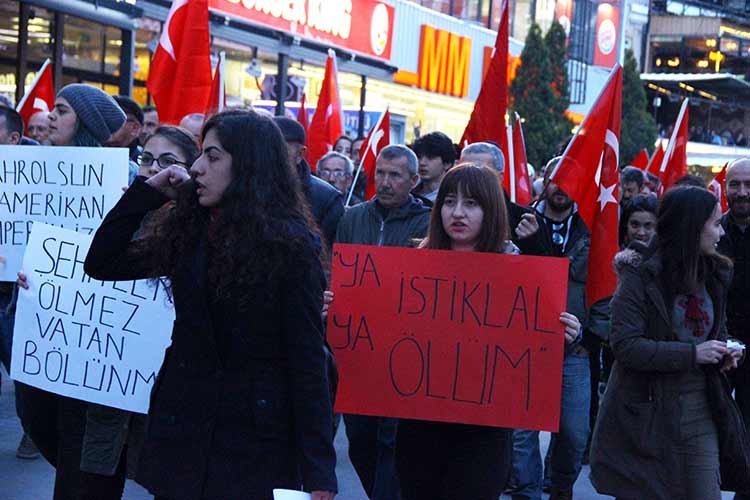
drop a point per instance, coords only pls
(425, 60)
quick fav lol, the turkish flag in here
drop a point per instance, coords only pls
(378, 138)
(641, 160)
(302, 117)
(40, 96)
(717, 187)
(487, 122)
(180, 76)
(674, 164)
(588, 172)
(217, 99)
(516, 180)
(656, 159)
(327, 123)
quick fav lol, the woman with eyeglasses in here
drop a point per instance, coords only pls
(167, 146)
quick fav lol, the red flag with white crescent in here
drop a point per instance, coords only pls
(588, 172)
(40, 97)
(328, 122)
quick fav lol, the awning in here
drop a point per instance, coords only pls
(720, 87)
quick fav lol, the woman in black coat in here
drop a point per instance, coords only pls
(241, 404)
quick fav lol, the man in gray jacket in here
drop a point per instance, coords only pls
(392, 218)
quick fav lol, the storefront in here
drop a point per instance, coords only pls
(85, 42)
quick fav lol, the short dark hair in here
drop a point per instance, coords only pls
(291, 130)
(632, 174)
(148, 109)
(13, 121)
(435, 144)
(690, 180)
(130, 107)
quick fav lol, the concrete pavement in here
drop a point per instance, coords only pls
(33, 480)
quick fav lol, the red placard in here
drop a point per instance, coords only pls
(365, 26)
(607, 34)
(448, 336)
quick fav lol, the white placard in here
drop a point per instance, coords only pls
(98, 341)
(279, 494)
(63, 186)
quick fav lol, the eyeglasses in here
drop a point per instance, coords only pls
(164, 161)
(336, 174)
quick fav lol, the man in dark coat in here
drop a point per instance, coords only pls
(736, 245)
(393, 218)
(324, 200)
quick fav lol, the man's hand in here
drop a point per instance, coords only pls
(528, 226)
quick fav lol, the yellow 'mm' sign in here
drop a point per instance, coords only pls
(444, 62)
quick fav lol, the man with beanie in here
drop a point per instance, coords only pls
(325, 201)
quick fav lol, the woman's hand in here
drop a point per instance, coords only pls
(710, 352)
(731, 360)
(327, 299)
(168, 180)
(322, 495)
(22, 281)
(572, 327)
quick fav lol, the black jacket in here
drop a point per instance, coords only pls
(736, 245)
(364, 224)
(241, 404)
(325, 201)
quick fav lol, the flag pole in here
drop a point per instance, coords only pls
(39, 74)
(369, 146)
(511, 161)
(220, 69)
(585, 120)
(670, 145)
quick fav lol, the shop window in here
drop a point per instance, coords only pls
(545, 13)
(8, 29)
(521, 20)
(8, 82)
(495, 8)
(91, 47)
(466, 9)
(443, 6)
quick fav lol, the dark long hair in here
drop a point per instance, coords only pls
(262, 228)
(83, 136)
(683, 212)
(638, 203)
(482, 184)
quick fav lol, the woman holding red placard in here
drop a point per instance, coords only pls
(446, 461)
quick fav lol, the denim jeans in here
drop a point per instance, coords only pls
(372, 450)
(569, 443)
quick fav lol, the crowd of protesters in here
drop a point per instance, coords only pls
(228, 210)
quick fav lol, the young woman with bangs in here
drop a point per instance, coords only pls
(447, 461)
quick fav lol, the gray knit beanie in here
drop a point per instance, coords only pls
(96, 109)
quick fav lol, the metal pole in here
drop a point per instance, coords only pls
(282, 76)
(362, 99)
(127, 55)
(57, 51)
(23, 43)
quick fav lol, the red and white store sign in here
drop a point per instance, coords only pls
(364, 26)
(607, 33)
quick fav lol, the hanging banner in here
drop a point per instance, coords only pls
(64, 186)
(447, 336)
(96, 341)
(607, 34)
